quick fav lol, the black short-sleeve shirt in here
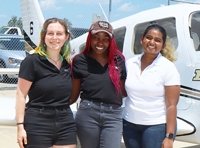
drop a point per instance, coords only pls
(95, 80)
(51, 86)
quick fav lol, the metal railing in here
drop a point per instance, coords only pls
(9, 70)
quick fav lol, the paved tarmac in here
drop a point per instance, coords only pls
(8, 139)
(8, 134)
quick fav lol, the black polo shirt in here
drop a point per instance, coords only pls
(95, 80)
(50, 87)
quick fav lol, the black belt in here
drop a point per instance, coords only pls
(104, 104)
(50, 107)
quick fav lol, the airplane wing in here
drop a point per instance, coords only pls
(184, 127)
(7, 111)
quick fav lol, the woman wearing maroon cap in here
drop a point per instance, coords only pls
(99, 74)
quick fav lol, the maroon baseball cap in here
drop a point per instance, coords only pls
(102, 26)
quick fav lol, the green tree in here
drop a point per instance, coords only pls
(69, 24)
(19, 24)
(2, 27)
(14, 22)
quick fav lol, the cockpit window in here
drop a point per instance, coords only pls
(194, 30)
(13, 31)
(119, 34)
(170, 26)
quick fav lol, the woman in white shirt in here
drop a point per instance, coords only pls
(153, 88)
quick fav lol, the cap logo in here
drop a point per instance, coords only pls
(104, 25)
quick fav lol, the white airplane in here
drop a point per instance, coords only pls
(181, 22)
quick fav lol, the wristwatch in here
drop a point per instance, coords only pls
(169, 135)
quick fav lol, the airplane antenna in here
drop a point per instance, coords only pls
(109, 9)
(185, 2)
(103, 12)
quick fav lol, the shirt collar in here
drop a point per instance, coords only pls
(42, 57)
(138, 59)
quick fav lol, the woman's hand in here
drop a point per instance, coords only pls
(21, 136)
(167, 143)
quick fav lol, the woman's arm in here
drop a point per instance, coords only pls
(76, 86)
(22, 91)
(171, 99)
(123, 88)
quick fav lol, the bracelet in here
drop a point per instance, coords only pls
(20, 123)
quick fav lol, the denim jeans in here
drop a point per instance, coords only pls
(99, 125)
(143, 136)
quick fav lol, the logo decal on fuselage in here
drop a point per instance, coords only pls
(197, 75)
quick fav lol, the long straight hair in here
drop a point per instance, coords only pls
(42, 49)
(114, 69)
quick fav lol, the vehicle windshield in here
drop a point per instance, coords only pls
(12, 44)
(3, 30)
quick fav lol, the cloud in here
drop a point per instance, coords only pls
(116, 15)
(92, 1)
(3, 15)
(80, 16)
(152, 0)
(49, 5)
(127, 7)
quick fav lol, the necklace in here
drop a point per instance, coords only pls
(61, 58)
(55, 61)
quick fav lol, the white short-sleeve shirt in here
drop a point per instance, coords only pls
(145, 103)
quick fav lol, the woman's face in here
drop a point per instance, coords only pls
(153, 42)
(55, 36)
(100, 42)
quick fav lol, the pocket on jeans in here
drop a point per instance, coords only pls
(32, 111)
(31, 114)
(85, 105)
(116, 110)
(160, 131)
(67, 111)
(160, 137)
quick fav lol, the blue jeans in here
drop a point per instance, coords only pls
(143, 136)
(99, 125)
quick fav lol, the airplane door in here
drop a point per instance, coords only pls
(188, 65)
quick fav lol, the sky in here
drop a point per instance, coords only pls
(79, 12)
